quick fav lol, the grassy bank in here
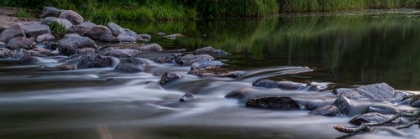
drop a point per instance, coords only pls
(103, 11)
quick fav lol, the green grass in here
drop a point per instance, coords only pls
(23, 13)
(57, 29)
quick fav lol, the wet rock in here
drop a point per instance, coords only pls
(211, 51)
(143, 37)
(240, 93)
(187, 97)
(273, 102)
(415, 101)
(169, 77)
(21, 42)
(73, 60)
(45, 37)
(153, 85)
(313, 104)
(11, 32)
(17, 53)
(70, 45)
(27, 59)
(115, 29)
(71, 35)
(34, 29)
(380, 91)
(88, 24)
(61, 67)
(343, 104)
(85, 51)
(373, 117)
(130, 65)
(282, 84)
(120, 53)
(97, 31)
(214, 71)
(61, 21)
(382, 108)
(339, 91)
(126, 38)
(2, 44)
(204, 64)
(189, 59)
(168, 59)
(174, 36)
(108, 38)
(327, 110)
(4, 52)
(78, 29)
(92, 61)
(50, 12)
(52, 45)
(39, 51)
(151, 47)
(72, 16)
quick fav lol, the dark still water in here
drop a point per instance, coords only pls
(346, 48)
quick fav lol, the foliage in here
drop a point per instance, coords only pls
(58, 30)
(23, 13)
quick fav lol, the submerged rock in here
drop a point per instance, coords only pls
(282, 84)
(120, 53)
(189, 59)
(327, 110)
(78, 29)
(11, 32)
(168, 59)
(273, 102)
(98, 61)
(69, 46)
(153, 85)
(130, 65)
(34, 29)
(380, 91)
(187, 97)
(169, 77)
(240, 93)
(96, 32)
(50, 12)
(211, 51)
(72, 16)
(21, 42)
(204, 64)
(313, 104)
(214, 71)
(59, 67)
(115, 29)
(151, 47)
(373, 117)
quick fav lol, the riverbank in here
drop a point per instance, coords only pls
(7, 17)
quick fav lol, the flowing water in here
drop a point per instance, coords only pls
(353, 48)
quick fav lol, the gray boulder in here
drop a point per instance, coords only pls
(12, 32)
(96, 32)
(189, 59)
(211, 51)
(61, 21)
(72, 16)
(108, 38)
(50, 12)
(126, 38)
(130, 65)
(78, 29)
(169, 77)
(45, 37)
(168, 59)
(240, 93)
(373, 117)
(21, 42)
(204, 64)
(380, 91)
(120, 53)
(71, 35)
(214, 71)
(88, 24)
(344, 104)
(282, 84)
(34, 29)
(151, 47)
(273, 102)
(115, 29)
(327, 110)
(92, 61)
(70, 45)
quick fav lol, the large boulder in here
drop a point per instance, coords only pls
(120, 53)
(72, 16)
(34, 29)
(327, 110)
(172, 58)
(214, 71)
(189, 59)
(344, 104)
(204, 64)
(97, 31)
(169, 77)
(373, 117)
(273, 102)
(92, 61)
(61, 21)
(379, 91)
(21, 42)
(130, 65)
(45, 37)
(108, 38)
(151, 47)
(282, 84)
(69, 46)
(78, 29)
(211, 51)
(12, 32)
(50, 12)
(88, 24)
(115, 29)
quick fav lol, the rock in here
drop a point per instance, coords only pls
(169, 77)
(34, 29)
(168, 59)
(130, 33)
(61, 21)
(240, 93)
(214, 71)
(85, 51)
(204, 64)
(52, 45)
(120, 53)
(273, 102)
(415, 101)
(88, 24)
(78, 29)
(45, 37)
(72, 16)
(21, 42)
(189, 59)
(343, 104)
(4, 52)
(2, 44)
(187, 97)
(130, 65)
(286, 85)
(151, 47)
(174, 36)
(71, 35)
(211, 51)
(92, 61)
(70, 45)
(40, 51)
(50, 12)
(59, 67)
(108, 38)
(380, 91)
(382, 108)
(17, 53)
(143, 37)
(27, 59)
(126, 38)
(373, 117)
(153, 85)
(115, 29)
(313, 104)
(339, 91)
(96, 32)
(161, 33)
(11, 32)
(327, 110)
